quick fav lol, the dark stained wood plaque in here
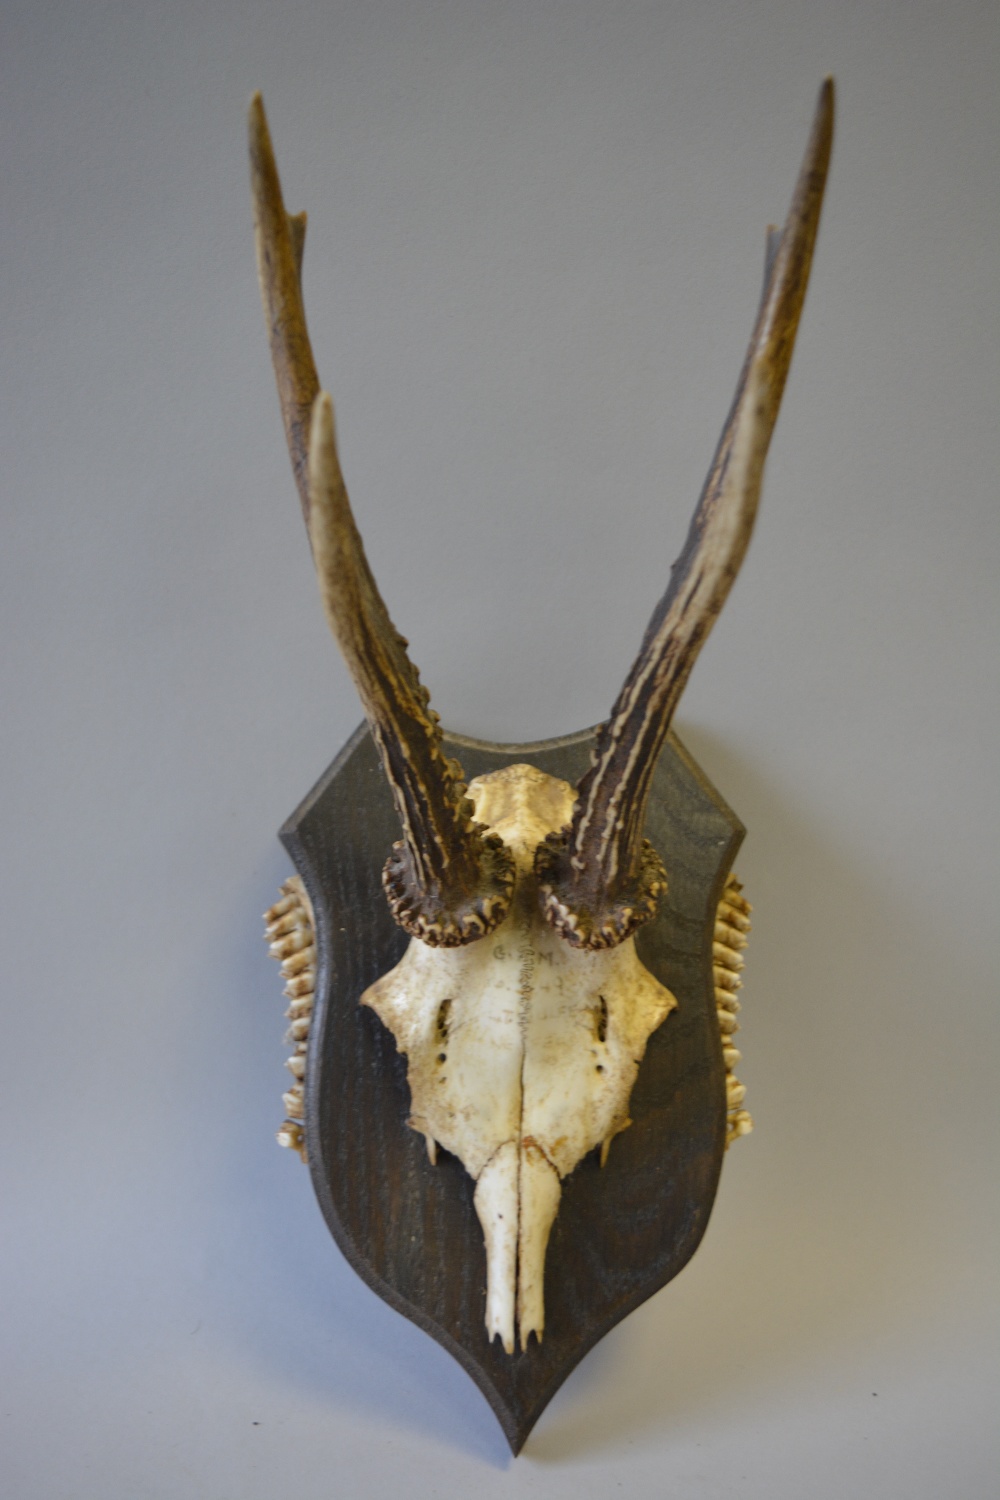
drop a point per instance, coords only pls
(408, 1228)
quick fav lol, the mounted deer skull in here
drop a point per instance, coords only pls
(521, 1004)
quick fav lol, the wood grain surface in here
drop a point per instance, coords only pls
(408, 1228)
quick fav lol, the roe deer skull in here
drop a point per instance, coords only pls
(520, 1003)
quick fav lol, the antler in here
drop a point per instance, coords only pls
(448, 881)
(600, 878)
(280, 240)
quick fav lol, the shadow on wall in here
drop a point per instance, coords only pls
(838, 1223)
(833, 1226)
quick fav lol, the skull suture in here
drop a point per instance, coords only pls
(520, 1003)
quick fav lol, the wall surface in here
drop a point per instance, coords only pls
(535, 244)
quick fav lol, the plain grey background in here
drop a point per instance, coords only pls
(535, 246)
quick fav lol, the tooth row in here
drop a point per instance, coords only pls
(732, 926)
(290, 932)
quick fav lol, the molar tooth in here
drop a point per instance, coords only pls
(289, 931)
(304, 959)
(732, 923)
(292, 942)
(303, 1006)
(302, 985)
(290, 1134)
(729, 936)
(729, 958)
(293, 1101)
(287, 923)
(273, 913)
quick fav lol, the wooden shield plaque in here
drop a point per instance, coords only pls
(409, 1228)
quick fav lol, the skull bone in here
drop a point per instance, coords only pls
(521, 1051)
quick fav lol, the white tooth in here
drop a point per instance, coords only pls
(287, 904)
(287, 923)
(303, 984)
(290, 1135)
(304, 959)
(301, 1005)
(729, 958)
(292, 942)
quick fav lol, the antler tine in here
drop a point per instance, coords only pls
(599, 878)
(280, 241)
(447, 881)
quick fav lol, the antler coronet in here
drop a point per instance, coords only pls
(590, 918)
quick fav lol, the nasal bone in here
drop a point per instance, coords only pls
(517, 1198)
